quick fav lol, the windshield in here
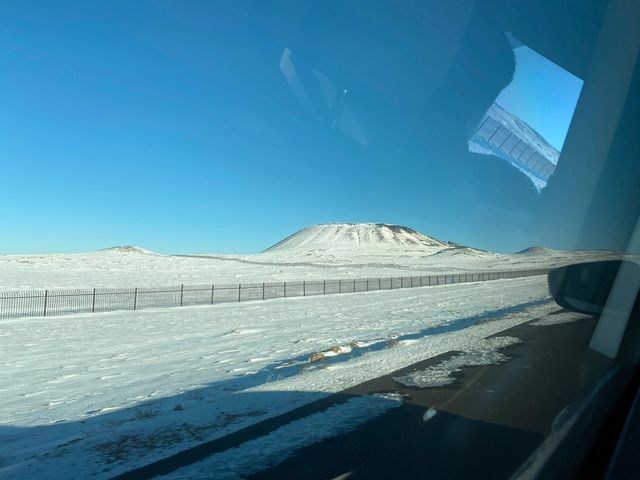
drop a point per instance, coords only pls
(304, 239)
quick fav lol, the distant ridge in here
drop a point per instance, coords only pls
(128, 249)
(536, 251)
(464, 250)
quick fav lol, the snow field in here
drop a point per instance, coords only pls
(311, 260)
(86, 393)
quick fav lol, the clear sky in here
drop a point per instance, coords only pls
(542, 94)
(182, 127)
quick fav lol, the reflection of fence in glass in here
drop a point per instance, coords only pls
(61, 302)
(491, 134)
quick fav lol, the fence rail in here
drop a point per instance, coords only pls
(16, 304)
(503, 142)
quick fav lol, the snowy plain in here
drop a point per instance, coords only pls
(321, 252)
(94, 395)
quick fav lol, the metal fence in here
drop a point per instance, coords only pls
(15, 304)
(493, 135)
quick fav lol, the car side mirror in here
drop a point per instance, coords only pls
(585, 287)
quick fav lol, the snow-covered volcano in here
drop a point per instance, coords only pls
(359, 237)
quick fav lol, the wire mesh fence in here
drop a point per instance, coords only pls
(16, 304)
(495, 136)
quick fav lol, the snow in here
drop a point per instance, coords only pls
(95, 395)
(279, 444)
(323, 252)
(429, 414)
(485, 353)
(359, 235)
(128, 249)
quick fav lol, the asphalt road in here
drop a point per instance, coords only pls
(487, 423)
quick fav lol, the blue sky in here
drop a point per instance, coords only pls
(171, 126)
(542, 94)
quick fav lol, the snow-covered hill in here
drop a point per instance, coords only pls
(358, 236)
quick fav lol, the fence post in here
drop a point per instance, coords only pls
(135, 298)
(354, 285)
(285, 289)
(181, 293)
(93, 301)
(420, 280)
(367, 284)
(212, 287)
(324, 287)
(304, 288)
(263, 290)
(46, 295)
(339, 286)
(239, 289)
